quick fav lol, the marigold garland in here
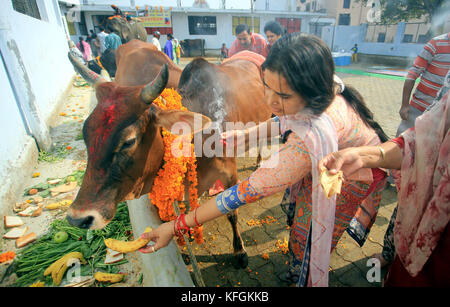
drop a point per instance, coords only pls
(168, 185)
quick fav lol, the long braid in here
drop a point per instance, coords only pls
(356, 101)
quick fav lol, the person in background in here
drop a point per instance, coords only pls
(155, 39)
(85, 49)
(431, 65)
(273, 31)
(94, 43)
(178, 50)
(168, 48)
(101, 36)
(421, 232)
(354, 51)
(113, 40)
(223, 52)
(246, 40)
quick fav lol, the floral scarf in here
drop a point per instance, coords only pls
(319, 135)
(423, 207)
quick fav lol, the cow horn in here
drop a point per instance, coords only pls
(87, 74)
(152, 90)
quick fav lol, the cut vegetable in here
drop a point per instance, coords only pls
(65, 203)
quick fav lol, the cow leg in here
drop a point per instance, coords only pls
(225, 170)
(240, 254)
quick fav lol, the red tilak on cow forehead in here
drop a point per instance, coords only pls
(105, 125)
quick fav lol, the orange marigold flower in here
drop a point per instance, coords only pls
(168, 186)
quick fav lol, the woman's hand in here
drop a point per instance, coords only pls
(161, 236)
(235, 137)
(347, 160)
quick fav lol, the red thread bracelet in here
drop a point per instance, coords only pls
(195, 218)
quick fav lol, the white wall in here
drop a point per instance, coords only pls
(180, 27)
(42, 49)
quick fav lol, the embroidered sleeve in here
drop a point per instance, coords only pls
(284, 168)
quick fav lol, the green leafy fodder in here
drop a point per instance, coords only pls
(32, 261)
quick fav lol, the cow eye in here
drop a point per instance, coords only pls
(128, 143)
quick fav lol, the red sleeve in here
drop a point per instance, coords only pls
(399, 141)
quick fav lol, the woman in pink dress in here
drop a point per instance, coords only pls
(85, 49)
(317, 116)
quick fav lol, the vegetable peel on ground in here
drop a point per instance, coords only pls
(108, 277)
(127, 246)
(59, 267)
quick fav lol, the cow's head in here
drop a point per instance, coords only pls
(202, 88)
(121, 27)
(124, 145)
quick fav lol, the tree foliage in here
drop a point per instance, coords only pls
(393, 11)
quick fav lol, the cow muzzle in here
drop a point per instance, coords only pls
(87, 219)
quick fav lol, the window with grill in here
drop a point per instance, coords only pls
(344, 19)
(381, 37)
(346, 4)
(238, 20)
(290, 24)
(27, 7)
(202, 25)
(407, 38)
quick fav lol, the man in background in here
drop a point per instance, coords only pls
(168, 48)
(155, 39)
(113, 40)
(354, 51)
(101, 36)
(246, 40)
(431, 65)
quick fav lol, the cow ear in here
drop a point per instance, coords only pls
(181, 122)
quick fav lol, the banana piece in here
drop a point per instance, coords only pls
(108, 277)
(61, 204)
(59, 267)
(127, 246)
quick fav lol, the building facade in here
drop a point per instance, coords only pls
(200, 20)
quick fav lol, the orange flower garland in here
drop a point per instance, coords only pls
(168, 185)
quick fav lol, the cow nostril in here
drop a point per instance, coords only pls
(84, 222)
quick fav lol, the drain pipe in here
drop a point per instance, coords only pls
(20, 82)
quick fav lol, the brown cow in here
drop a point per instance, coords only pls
(227, 93)
(124, 142)
(141, 62)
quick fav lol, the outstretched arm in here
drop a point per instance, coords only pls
(251, 136)
(388, 155)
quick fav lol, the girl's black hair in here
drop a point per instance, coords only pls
(81, 44)
(305, 61)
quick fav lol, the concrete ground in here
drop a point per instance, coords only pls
(262, 224)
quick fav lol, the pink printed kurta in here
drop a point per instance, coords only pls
(291, 168)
